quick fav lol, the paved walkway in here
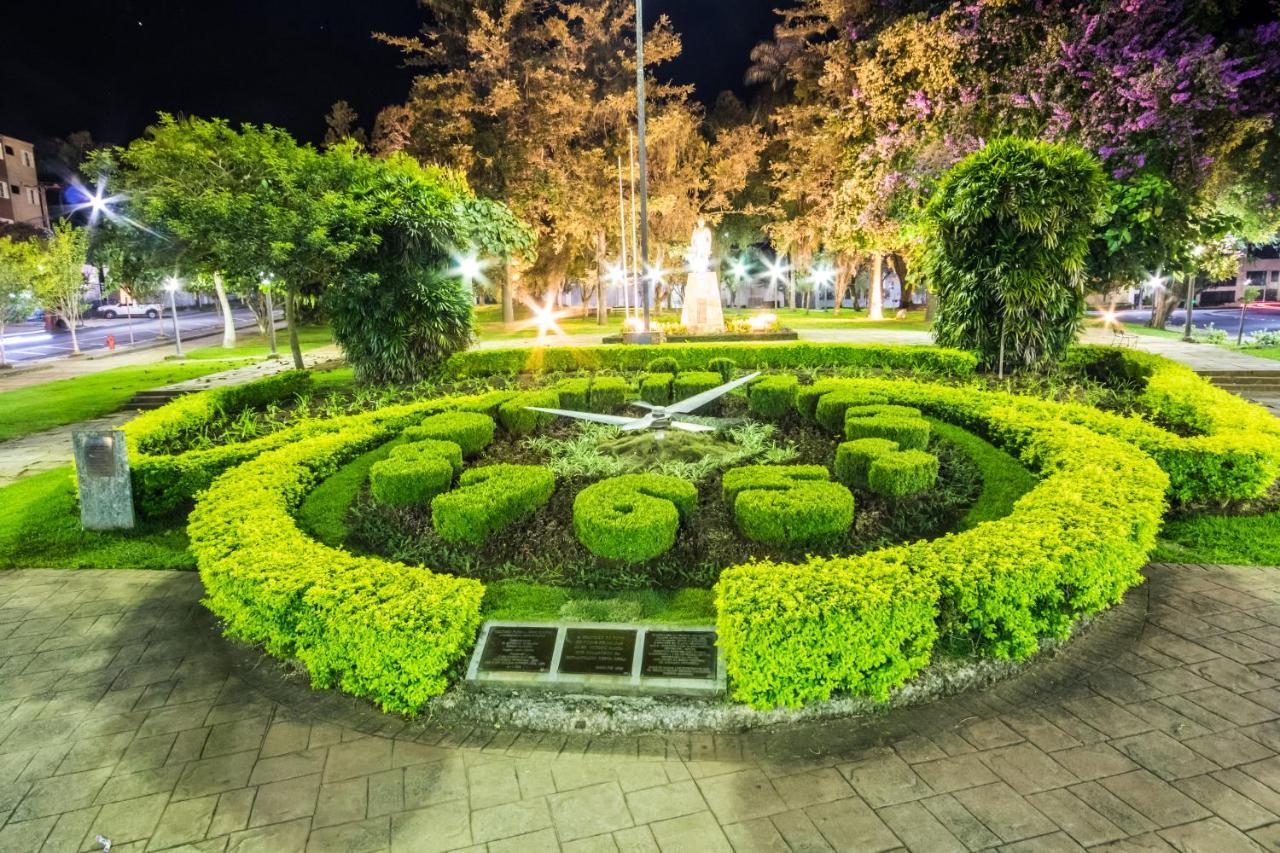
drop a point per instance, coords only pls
(122, 713)
(1196, 356)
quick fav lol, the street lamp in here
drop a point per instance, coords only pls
(171, 285)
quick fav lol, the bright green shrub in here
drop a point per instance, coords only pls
(1004, 479)
(663, 364)
(275, 388)
(807, 396)
(633, 517)
(608, 393)
(490, 499)
(692, 382)
(1072, 545)
(448, 450)
(910, 432)
(516, 417)
(854, 458)
(656, 388)
(793, 634)
(932, 361)
(724, 366)
(377, 629)
(471, 431)
(787, 504)
(772, 396)
(410, 480)
(829, 409)
(903, 473)
(487, 403)
(573, 394)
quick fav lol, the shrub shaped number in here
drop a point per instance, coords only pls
(656, 388)
(516, 417)
(901, 424)
(608, 393)
(633, 517)
(723, 366)
(471, 431)
(879, 465)
(830, 408)
(693, 382)
(788, 504)
(773, 396)
(489, 499)
(415, 473)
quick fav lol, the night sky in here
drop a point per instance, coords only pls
(108, 66)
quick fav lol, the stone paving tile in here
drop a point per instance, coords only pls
(121, 715)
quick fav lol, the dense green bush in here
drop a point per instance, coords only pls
(574, 393)
(518, 419)
(1004, 479)
(377, 629)
(490, 499)
(854, 458)
(692, 382)
(829, 407)
(932, 361)
(724, 366)
(656, 388)
(1008, 231)
(471, 431)
(663, 364)
(448, 450)
(608, 393)
(903, 473)
(633, 517)
(772, 397)
(410, 480)
(787, 504)
(901, 424)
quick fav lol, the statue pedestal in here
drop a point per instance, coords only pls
(702, 313)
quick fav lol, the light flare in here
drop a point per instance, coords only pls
(545, 318)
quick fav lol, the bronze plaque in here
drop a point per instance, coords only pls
(518, 648)
(598, 651)
(679, 654)
(100, 456)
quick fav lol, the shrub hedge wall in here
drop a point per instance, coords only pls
(773, 396)
(633, 517)
(415, 473)
(934, 361)
(374, 628)
(471, 431)
(881, 466)
(490, 499)
(787, 504)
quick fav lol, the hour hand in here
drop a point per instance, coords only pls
(616, 420)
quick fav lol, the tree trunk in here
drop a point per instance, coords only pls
(290, 315)
(602, 306)
(71, 324)
(899, 265)
(228, 321)
(846, 272)
(1162, 304)
(875, 296)
(508, 306)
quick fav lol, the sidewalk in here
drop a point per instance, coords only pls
(1198, 357)
(124, 713)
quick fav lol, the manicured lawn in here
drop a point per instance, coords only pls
(489, 325)
(65, 401)
(515, 600)
(255, 345)
(1240, 539)
(1272, 353)
(40, 529)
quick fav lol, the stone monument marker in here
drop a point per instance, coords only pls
(702, 312)
(102, 474)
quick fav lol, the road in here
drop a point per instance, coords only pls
(28, 342)
(1257, 319)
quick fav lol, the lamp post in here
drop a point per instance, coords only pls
(643, 264)
(171, 285)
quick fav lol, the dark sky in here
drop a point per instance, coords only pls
(108, 65)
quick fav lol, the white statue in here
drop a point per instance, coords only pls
(702, 312)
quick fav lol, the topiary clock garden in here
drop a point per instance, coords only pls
(841, 519)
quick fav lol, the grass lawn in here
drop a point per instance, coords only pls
(1239, 539)
(40, 529)
(489, 325)
(1004, 479)
(65, 401)
(255, 344)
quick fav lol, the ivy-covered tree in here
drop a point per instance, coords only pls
(1008, 233)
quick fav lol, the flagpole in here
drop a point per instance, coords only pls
(634, 281)
(643, 260)
(622, 240)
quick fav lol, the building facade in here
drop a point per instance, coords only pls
(21, 199)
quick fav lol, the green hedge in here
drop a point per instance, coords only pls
(933, 361)
(608, 393)
(724, 366)
(415, 473)
(662, 364)
(692, 382)
(656, 388)
(829, 407)
(854, 458)
(787, 504)
(903, 473)
(517, 419)
(490, 499)
(1072, 545)
(900, 424)
(773, 396)
(471, 431)
(574, 394)
(382, 630)
(633, 517)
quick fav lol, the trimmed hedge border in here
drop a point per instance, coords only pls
(934, 361)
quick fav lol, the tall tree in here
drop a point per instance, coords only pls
(59, 280)
(17, 271)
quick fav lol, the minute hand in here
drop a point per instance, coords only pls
(697, 401)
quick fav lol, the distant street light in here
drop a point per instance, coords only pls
(171, 285)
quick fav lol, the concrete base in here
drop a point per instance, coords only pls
(643, 337)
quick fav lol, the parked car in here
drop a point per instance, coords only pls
(150, 310)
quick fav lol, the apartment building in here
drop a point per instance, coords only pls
(21, 199)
